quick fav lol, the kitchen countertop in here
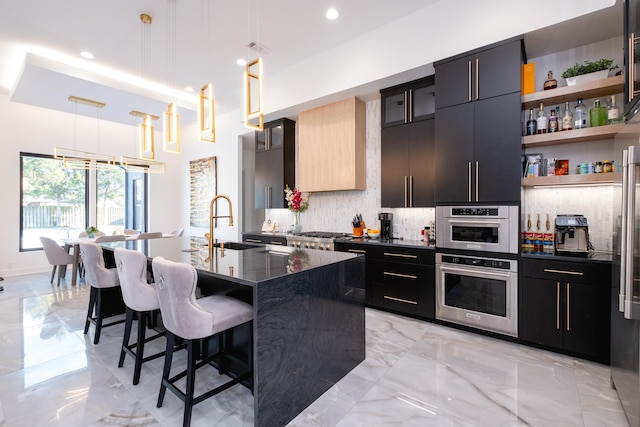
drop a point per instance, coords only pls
(393, 242)
(592, 257)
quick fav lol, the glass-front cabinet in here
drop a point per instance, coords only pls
(409, 102)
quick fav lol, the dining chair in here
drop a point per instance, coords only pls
(150, 235)
(105, 298)
(141, 300)
(177, 232)
(56, 256)
(125, 231)
(194, 321)
(112, 238)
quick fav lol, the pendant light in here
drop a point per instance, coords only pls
(139, 164)
(253, 81)
(76, 159)
(206, 104)
(171, 122)
(147, 131)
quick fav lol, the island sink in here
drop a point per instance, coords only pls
(237, 246)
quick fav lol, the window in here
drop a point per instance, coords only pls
(60, 203)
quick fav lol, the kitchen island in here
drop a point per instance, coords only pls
(309, 328)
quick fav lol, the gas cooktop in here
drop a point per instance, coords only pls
(321, 234)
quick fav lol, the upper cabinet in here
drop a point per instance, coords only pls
(479, 75)
(407, 170)
(275, 163)
(331, 147)
(478, 126)
(408, 103)
(631, 58)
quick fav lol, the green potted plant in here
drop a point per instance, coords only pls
(91, 231)
(588, 71)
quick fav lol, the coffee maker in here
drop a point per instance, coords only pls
(385, 225)
(572, 235)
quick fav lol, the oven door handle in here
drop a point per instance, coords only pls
(474, 272)
(476, 222)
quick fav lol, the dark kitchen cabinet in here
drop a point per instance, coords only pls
(409, 102)
(407, 169)
(267, 239)
(478, 151)
(565, 306)
(631, 57)
(275, 163)
(398, 278)
(481, 74)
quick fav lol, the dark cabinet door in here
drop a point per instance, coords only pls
(454, 156)
(394, 166)
(587, 320)
(421, 167)
(423, 101)
(497, 149)
(498, 71)
(454, 82)
(269, 179)
(540, 311)
(394, 106)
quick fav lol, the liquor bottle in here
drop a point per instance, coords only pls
(542, 122)
(598, 114)
(613, 112)
(550, 83)
(553, 121)
(580, 115)
(531, 124)
(559, 118)
(567, 119)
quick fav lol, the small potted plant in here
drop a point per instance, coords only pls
(588, 71)
(91, 231)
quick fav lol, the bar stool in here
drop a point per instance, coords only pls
(194, 321)
(105, 297)
(141, 301)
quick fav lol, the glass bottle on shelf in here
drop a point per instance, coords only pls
(613, 112)
(553, 121)
(550, 83)
(542, 120)
(580, 115)
(559, 118)
(598, 114)
(567, 119)
(531, 124)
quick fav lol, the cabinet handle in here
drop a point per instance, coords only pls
(575, 273)
(568, 286)
(406, 301)
(469, 80)
(406, 276)
(410, 191)
(266, 196)
(477, 82)
(358, 251)
(476, 180)
(557, 305)
(469, 175)
(631, 65)
(400, 255)
(410, 106)
(405, 106)
(253, 240)
(405, 191)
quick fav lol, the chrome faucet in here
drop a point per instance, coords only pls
(213, 217)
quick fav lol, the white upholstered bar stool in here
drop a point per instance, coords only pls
(141, 300)
(194, 321)
(101, 280)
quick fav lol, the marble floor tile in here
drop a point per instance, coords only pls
(415, 374)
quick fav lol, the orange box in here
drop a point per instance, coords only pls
(528, 78)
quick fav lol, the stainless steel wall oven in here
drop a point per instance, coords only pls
(478, 292)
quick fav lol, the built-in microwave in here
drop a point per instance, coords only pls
(478, 228)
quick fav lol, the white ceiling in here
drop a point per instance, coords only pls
(209, 35)
(40, 42)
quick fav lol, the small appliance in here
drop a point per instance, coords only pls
(572, 235)
(385, 225)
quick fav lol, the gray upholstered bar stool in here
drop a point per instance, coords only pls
(103, 281)
(141, 300)
(194, 321)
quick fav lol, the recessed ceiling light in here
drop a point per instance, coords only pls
(86, 54)
(332, 14)
(242, 62)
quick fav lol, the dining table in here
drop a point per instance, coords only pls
(75, 244)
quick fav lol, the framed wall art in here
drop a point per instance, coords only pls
(202, 177)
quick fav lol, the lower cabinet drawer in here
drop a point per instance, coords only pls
(403, 288)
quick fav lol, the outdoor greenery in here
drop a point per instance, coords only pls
(589, 67)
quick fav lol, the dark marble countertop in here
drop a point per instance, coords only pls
(392, 242)
(247, 266)
(591, 257)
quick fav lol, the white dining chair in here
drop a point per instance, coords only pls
(116, 238)
(56, 256)
(177, 232)
(150, 235)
